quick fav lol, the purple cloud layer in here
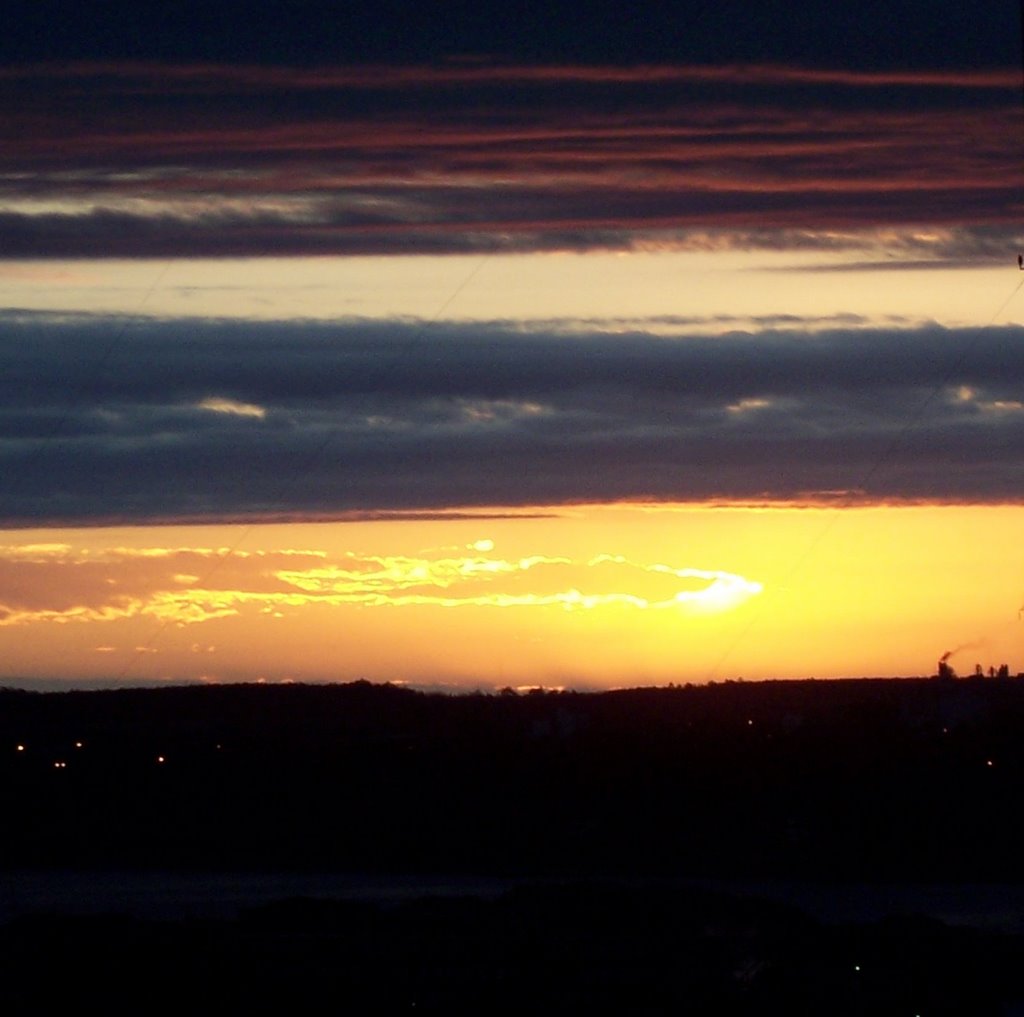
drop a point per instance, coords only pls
(204, 160)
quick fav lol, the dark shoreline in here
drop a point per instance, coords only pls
(546, 948)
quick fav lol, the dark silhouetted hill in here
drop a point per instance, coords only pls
(835, 779)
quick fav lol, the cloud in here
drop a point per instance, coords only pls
(218, 404)
(113, 584)
(246, 161)
(62, 584)
(385, 417)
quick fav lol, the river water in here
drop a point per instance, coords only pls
(175, 895)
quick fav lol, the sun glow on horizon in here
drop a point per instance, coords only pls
(505, 373)
(795, 592)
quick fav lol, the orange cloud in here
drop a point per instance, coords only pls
(63, 586)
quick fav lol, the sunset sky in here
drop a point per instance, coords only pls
(468, 346)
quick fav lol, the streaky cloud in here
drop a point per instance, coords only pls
(158, 161)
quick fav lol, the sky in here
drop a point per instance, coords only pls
(471, 346)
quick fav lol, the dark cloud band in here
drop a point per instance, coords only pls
(202, 420)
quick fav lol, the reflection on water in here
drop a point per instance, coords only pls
(172, 896)
(998, 907)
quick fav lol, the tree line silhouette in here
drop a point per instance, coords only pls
(911, 778)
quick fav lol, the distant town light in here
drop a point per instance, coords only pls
(20, 748)
(161, 759)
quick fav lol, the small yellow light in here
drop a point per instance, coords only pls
(160, 759)
(21, 748)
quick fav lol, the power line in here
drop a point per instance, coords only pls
(32, 461)
(882, 460)
(302, 470)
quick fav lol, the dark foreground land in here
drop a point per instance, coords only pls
(615, 830)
